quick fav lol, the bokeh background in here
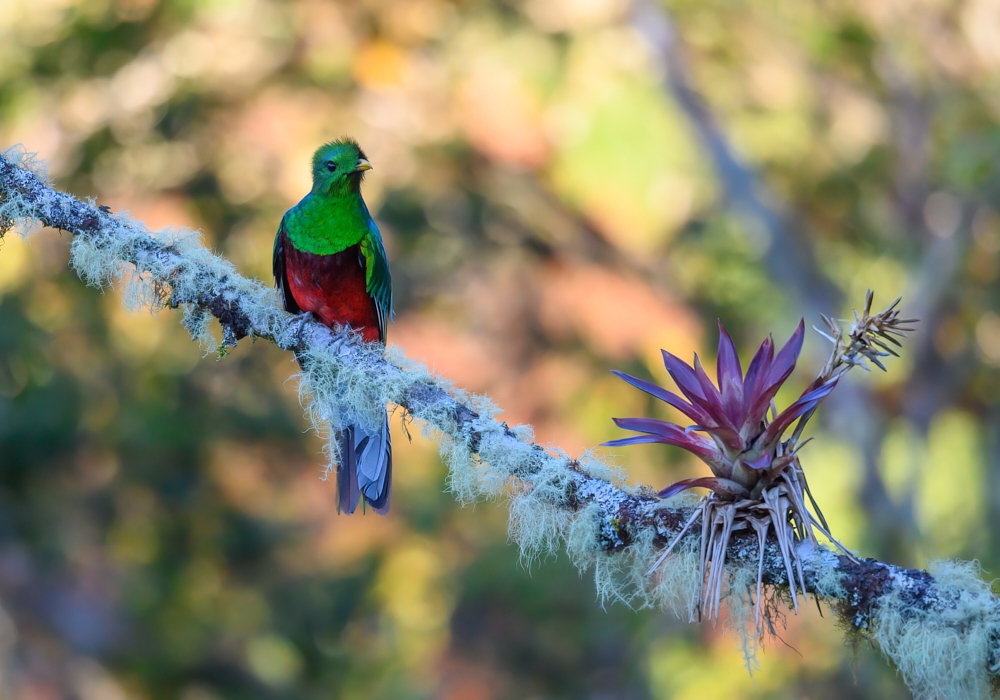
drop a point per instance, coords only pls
(565, 187)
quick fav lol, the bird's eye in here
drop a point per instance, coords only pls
(331, 166)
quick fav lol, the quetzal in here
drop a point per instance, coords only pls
(329, 260)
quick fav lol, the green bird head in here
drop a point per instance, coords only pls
(338, 167)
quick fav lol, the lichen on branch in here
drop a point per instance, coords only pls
(941, 630)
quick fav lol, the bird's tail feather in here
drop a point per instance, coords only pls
(347, 471)
(365, 469)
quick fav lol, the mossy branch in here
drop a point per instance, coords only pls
(941, 630)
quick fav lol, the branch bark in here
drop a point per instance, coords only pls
(615, 519)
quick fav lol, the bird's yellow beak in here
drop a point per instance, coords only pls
(362, 165)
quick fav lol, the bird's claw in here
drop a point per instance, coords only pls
(302, 319)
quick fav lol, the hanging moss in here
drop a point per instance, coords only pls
(942, 646)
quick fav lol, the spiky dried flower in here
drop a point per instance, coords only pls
(869, 337)
(758, 482)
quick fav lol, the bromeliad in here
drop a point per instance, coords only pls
(758, 482)
(329, 260)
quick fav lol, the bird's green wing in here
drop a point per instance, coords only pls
(379, 282)
(278, 268)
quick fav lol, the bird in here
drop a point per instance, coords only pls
(329, 261)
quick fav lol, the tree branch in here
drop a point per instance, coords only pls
(554, 500)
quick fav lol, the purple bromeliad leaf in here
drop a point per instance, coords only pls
(721, 486)
(763, 461)
(668, 397)
(730, 377)
(685, 377)
(779, 370)
(672, 434)
(727, 439)
(757, 370)
(722, 429)
(711, 392)
(802, 405)
(633, 440)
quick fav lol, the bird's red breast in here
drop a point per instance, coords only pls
(334, 287)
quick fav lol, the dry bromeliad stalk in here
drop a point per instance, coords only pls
(758, 482)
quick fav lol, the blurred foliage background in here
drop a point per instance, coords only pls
(565, 187)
